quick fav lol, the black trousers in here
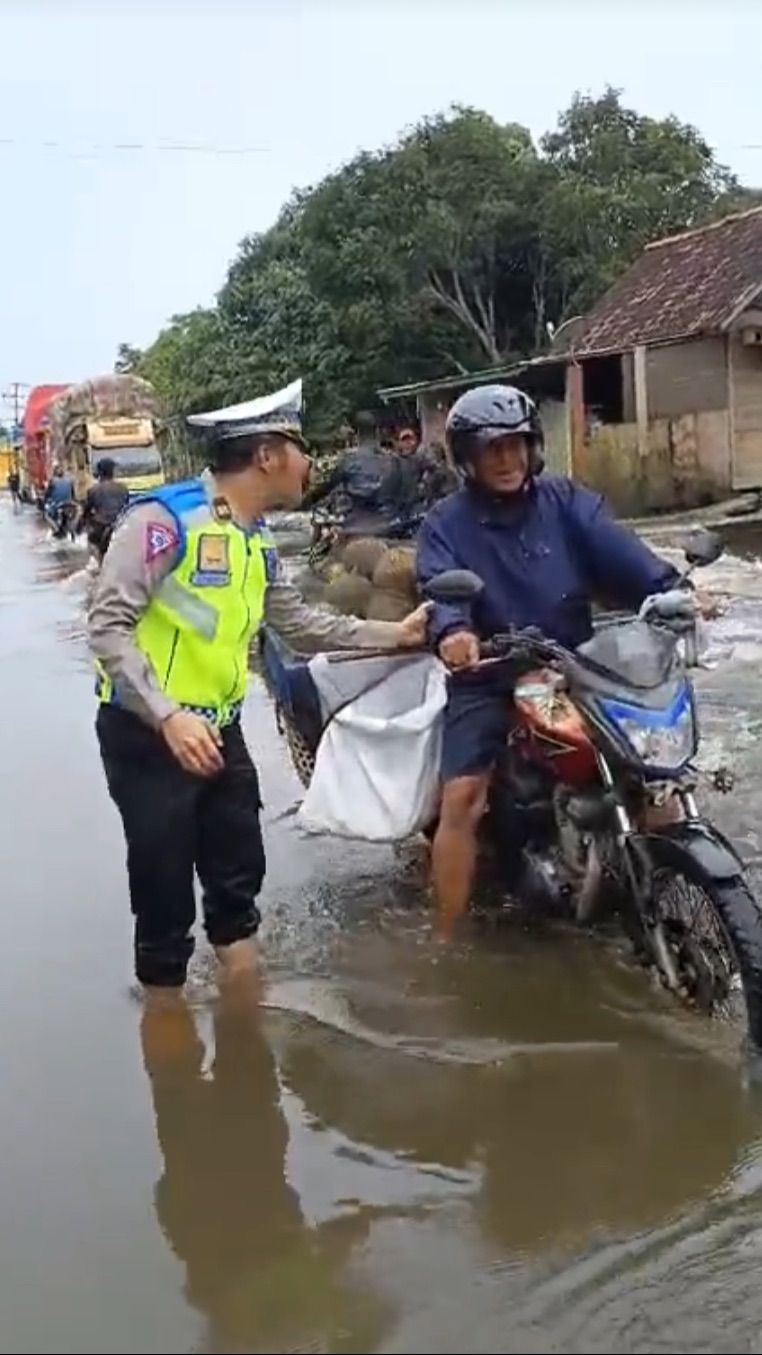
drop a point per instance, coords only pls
(175, 823)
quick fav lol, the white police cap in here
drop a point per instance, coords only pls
(280, 412)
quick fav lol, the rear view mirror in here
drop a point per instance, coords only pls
(454, 585)
(703, 547)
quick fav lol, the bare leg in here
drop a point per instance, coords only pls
(241, 978)
(454, 851)
(168, 999)
(240, 957)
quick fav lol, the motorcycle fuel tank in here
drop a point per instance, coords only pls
(555, 726)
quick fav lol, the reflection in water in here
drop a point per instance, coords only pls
(590, 1184)
(540, 1170)
(567, 1147)
(264, 1280)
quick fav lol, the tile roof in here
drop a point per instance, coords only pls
(680, 287)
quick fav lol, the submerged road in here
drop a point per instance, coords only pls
(515, 1145)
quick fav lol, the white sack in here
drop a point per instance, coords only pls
(377, 769)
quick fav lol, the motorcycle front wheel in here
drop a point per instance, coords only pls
(713, 931)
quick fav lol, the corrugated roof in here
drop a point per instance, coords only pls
(680, 287)
(462, 379)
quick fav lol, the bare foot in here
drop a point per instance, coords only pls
(240, 971)
(238, 958)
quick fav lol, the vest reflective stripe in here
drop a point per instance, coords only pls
(199, 624)
(189, 606)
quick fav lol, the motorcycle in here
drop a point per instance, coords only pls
(598, 789)
(62, 519)
(337, 523)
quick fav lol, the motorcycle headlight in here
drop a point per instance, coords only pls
(665, 739)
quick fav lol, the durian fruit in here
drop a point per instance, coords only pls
(361, 556)
(349, 594)
(334, 571)
(386, 605)
(395, 572)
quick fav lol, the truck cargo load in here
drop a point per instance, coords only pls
(115, 416)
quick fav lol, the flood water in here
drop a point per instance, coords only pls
(511, 1145)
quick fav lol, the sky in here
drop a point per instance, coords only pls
(107, 228)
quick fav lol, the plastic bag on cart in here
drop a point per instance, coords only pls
(376, 772)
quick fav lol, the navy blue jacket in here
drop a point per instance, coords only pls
(543, 558)
(60, 490)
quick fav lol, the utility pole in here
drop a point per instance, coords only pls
(15, 396)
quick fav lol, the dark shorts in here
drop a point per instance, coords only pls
(477, 721)
(99, 536)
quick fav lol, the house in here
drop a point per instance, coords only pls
(655, 396)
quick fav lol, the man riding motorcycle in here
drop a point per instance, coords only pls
(361, 478)
(59, 501)
(544, 547)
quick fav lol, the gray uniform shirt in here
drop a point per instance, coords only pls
(143, 551)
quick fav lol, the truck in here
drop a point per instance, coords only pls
(36, 457)
(115, 416)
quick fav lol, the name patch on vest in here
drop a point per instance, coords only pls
(212, 561)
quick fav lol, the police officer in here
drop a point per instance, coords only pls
(189, 576)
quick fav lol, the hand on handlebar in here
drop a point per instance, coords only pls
(460, 650)
(680, 604)
(675, 608)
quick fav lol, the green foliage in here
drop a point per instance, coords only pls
(128, 360)
(451, 250)
(618, 181)
(194, 362)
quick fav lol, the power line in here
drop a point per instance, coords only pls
(15, 396)
(74, 149)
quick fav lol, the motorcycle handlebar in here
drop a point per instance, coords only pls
(531, 646)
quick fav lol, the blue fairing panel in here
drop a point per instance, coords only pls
(290, 683)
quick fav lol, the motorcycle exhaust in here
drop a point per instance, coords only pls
(587, 895)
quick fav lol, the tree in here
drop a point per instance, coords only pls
(424, 249)
(453, 248)
(193, 364)
(475, 229)
(281, 328)
(356, 235)
(620, 180)
(128, 359)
